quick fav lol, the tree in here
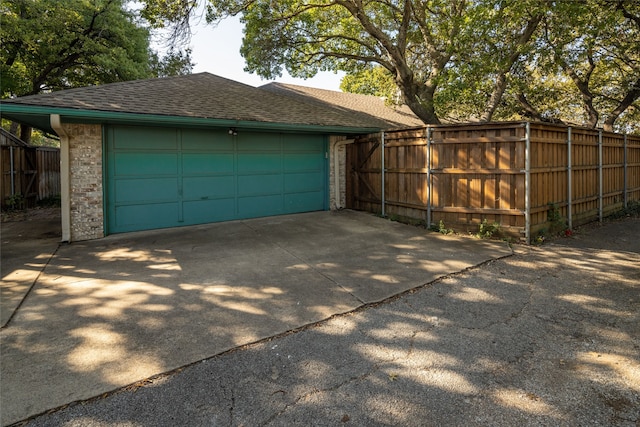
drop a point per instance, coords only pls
(174, 63)
(451, 59)
(412, 42)
(52, 45)
(598, 50)
(376, 81)
(67, 43)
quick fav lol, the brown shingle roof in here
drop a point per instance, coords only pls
(394, 116)
(208, 96)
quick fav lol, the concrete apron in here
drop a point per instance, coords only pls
(105, 314)
(27, 246)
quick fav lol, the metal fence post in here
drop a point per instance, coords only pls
(624, 184)
(382, 171)
(429, 136)
(527, 184)
(600, 183)
(569, 182)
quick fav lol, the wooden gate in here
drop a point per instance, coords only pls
(405, 189)
(19, 171)
(364, 174)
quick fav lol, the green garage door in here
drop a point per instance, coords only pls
(159, 178)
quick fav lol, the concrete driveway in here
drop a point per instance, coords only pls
(109, 313)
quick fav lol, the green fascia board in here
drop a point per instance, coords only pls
(38, 117)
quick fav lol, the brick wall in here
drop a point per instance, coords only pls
(86, 196)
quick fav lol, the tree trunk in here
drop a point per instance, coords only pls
(25, 133)
(501, 81)
(14, 128)
(529, 109)
(420, 101)
(592, 113)
(629, 99)
(496, 97)
(419, 98)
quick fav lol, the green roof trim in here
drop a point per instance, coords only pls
(39, 117)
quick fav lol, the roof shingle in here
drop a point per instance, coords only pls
(205, 95)
(395, 116)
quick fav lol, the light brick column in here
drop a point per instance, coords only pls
(85, 181)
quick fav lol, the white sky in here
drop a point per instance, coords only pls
(217, 50)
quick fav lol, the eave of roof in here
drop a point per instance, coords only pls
(39, 117)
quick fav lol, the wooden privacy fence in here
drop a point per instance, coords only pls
(28, 174)
(527, 177)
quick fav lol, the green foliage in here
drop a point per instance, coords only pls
(68, 43)
(586, 58)
(632, 210)
(15, 202)
(174, 63)
(486, 230)
(575, 61)
(376, 81)
(52, 45)
(441, 228)
(557, 223)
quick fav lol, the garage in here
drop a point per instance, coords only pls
(166, 177)
(198, 148)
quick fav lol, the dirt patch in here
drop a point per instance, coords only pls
(36, 214)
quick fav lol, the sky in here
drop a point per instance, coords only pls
(216, 50)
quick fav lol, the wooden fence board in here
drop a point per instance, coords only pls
(477, 172)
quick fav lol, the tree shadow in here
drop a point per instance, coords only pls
(548, 336)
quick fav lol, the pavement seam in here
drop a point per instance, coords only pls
(305, 262)
(26, 295)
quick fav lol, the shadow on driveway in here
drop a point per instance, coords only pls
(108, 313)
(549, 336)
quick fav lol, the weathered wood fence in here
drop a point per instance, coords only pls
(524, 176)
(28, 174)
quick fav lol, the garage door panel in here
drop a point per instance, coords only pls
(303, 202)
(258, 206)
(299, 144)
(259, 184)
(144, 163)
(148, 190)
(303, 182)
(303, 162)
(206, 140)
(207, 163)
(133, 137)
(258, 142)
(203, 211)
(255, 163)
(146, 217)
(210, 187)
